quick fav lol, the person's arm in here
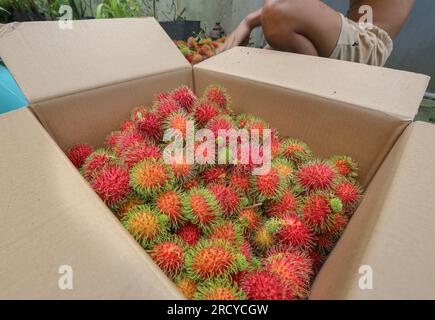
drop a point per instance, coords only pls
(240, 36)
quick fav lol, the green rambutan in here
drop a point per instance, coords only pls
(345, 166)
(227, 198)
(78, 154)
(286, 204)
(201, 207)
(218, 95)
(184, 97)
(169, 203)
(317, 212)
(268, 186)
(112, 185)
(189, 233)
(316, 176)
(265, 285)
(262, 238)
(96, 161)
(205, 111)
(218, 289)
(169, 256)
(150, 177)
(186, 285)
(146, 225)
(211, 259)
(227, 231)
(296, 151)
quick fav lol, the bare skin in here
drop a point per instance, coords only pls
(312, 27)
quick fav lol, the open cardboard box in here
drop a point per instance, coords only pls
(82, 83)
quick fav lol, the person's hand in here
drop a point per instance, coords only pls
(239, 37)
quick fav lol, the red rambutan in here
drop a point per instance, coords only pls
(264, 285)
(169, 203)
(112, 139)
(178, 122)
(239, 182)
(205, 112)
(191, 184)
(227, 231)
(146, 225)
(148, 123)
(150, 177)
(127, 126)
(218, 95)
(296, 151)
(129, 203)
(138, 152)
(345, 166)
(268, 186)
(165, 107)
(316, 176)
(211, 259)
(317, 212)
(218, 289)
(127, 140)
(79, 153)
(112, 185)
(201, 207)
(169, 256)
(294, 233)
(184, 97)
(349, 193)
(286, 204)
(249, 219)
(216, 174)
(221, 122)
(189, 233)
(96, 161)
(227, 198)
(187, 286)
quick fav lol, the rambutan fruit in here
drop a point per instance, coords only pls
(286, 204)
(211, 259)
(345, 166)
(249, 219)
(293, 267)
(293, 232)
(127, 126)
(340, 223)
(184, 97)
(285, 168)
(264, 285)
(183, 171)
(138, 152)
(218, 289)
(78, 154)
(275, 146)
(218, 95)
(127, 140)
(317, 212)
(150, 177)
(186, 285)
(201, 207)
(146, 225)
(191, 184)
(178, 122)
(227, 231)
(316, 176)
(205, 111)
(227, 198)
(129, 203)
(325, 243)
(165, 107)
(169, 204)
(216, 174)
(239, 182)
(148, 123)
(96, 161)
(263, 239)
(162, 96)
(349, 193)
(259, 124)
(169, 256)
(268, 186)
(296, 151)
(189, 233)
(112, 185)
(221, 122)
(112, 139)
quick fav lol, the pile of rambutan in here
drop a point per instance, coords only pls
(199, 49)
(217, 230)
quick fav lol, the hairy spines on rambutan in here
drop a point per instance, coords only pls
(96, 161)
(228, 199)
(264, 285)
(286, 204)
(268, 186)
(226, 230)
(205, 111)
(169, 255)
(291, 231)
(129, 203)
(191, 184)
(201, 207)
(112, 185)
(78, 154)
(146, 225)
(285, 168)
(218, 123)
(178, 124)
(166, 107)
(219, 289)
(218, 95)
(249, 219)
(293, 267)
(316, 175)
(186, 285)
(349, 193)
(148, 123)
(127, 126)
(150, 177)
(126, 140)
(345, 166)
(239, 182)
(262, 238)
(138, 152)
(211, 259)
(216, 174)
(296, 150)
(169, 204)
(184, 97)
(189, 233)
(317, 212)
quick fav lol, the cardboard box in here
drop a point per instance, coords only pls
(82, 83)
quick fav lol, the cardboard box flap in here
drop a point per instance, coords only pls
(49, 62)
(390, 237)
(394, 92)
(56, 232)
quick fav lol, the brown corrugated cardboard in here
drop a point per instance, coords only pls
(393, 230)
(334, 106)
(50, 217)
